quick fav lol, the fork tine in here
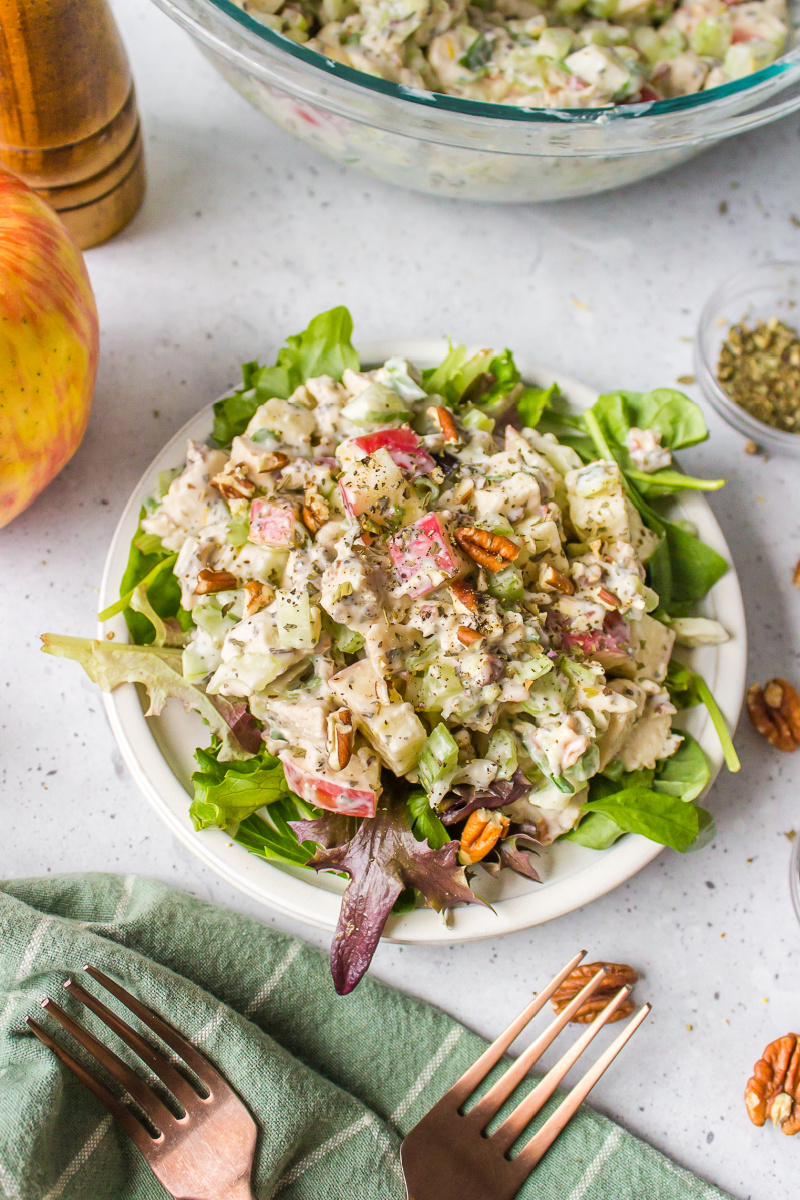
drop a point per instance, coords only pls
(180, 1087)
(119, 1111)
(527, 1109)
(541, 1142)
(489, 1104)
(183, 1048)
(142, 1093)
(465, 1086)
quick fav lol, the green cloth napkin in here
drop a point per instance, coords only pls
(333, 1082)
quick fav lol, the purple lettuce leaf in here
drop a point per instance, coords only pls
(496, 795)
(243, 725)
(329, 830)
(382, 859)
(514, 853)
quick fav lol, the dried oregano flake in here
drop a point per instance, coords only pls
(759, 368)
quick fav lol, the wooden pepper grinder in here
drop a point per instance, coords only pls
(68, 120)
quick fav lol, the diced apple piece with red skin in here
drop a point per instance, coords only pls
(405, 447)
(610, 646)
(423, 556)
(324, 790)
(272, 524)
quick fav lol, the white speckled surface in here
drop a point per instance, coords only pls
(243, 237)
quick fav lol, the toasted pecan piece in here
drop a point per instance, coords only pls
(552, 578)
(773, 1089)
(467, 636)
(796, 574)
(775, 712)
(315, 510)
(235, 484)
(209, 581)
(607, 598)
(465, 594)
(483, 830)
(443, 418)
(618, 975)
(490, 550)
(340, 738)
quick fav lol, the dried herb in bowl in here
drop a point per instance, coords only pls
(759, 368)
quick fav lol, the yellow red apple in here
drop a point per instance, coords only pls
(48, 346)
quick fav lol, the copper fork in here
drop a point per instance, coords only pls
(206, 1152)
(449, 1156)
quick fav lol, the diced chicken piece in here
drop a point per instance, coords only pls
(190, 504)
(404, 446)
(597, 502)
(646, 451)
(291, 424)
(352, 591)
(681, 75)
(423, 556)
(651, 738)
(599, 65)
(300, 723)
(516, 497)
(377, 488)
(620, 724)
(354, 793)
(390, 725)
(272, 524)
(652, 645)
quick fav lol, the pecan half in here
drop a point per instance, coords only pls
(465, 594)
(209, 581)
(775, 712)
(773, 1090)
(257, 596)
(550, 577)
(315, 510)
(607, 598)
(467, 636)
(273, 460)
(796, 574)
(340, 738)
(234, 484)
(490, 550)
(482, 831)
(443, 419)
(618, 975)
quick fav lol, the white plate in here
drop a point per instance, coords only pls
(158, 751)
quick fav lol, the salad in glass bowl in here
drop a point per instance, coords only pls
(429, 617)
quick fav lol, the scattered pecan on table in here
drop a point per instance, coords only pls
(492, 551)
(775, 712)
(774, 1088)
(618, 975)
(796, 574)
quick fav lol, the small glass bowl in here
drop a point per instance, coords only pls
(758, 293)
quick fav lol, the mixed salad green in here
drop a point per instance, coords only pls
(429, 617)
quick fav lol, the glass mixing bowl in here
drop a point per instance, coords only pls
(755, 294)
(465, 148)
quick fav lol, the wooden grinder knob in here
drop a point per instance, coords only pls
(68, 120)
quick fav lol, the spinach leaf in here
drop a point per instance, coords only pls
(324, 348)
(425, 824)
(685, 773)
(677, 418)
(596, 831)
(656, 815)
(694, 568)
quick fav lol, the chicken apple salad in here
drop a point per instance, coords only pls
(429, 617)
(559, 54)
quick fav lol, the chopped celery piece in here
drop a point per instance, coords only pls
(502, 750)
(438, 759)
(506, 585)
